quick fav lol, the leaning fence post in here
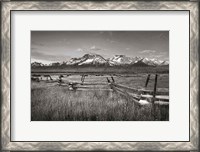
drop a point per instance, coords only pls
(108, 80)
(154, 96)
(147, 80)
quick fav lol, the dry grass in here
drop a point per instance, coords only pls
(59, 104)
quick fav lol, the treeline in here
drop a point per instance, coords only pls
(102, 69)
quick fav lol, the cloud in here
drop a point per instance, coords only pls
(80, 50)
(92, 49)
(164, 53)
(95, 49)
(148, 51)
(156, 56)
(127, 48)
(48, 57)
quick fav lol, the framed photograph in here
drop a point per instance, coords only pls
(115, 75)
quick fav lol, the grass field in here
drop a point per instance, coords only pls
(50, 102)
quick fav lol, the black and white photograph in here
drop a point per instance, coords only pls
(99, 75)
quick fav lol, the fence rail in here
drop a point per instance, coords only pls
(136, 95)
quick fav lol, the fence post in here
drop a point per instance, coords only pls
(155, 85)
(147, 80)
(82, 79)
(113, 80)
(108, 80)
(154, 97)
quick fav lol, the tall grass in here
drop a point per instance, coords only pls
(60, 104)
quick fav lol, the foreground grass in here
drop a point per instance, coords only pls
(58, 104)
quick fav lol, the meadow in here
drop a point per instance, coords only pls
(50, 102)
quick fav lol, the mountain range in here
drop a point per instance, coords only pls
(117, 60)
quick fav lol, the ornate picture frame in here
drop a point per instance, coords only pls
(6, 92)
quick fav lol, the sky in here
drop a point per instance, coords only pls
(59, 46)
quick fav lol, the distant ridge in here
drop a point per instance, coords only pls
(97, 60)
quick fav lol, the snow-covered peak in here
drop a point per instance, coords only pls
(87, 59)
(165, 63)
(95, 59)
(154, 62)
(120, 60)
(37, 64)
